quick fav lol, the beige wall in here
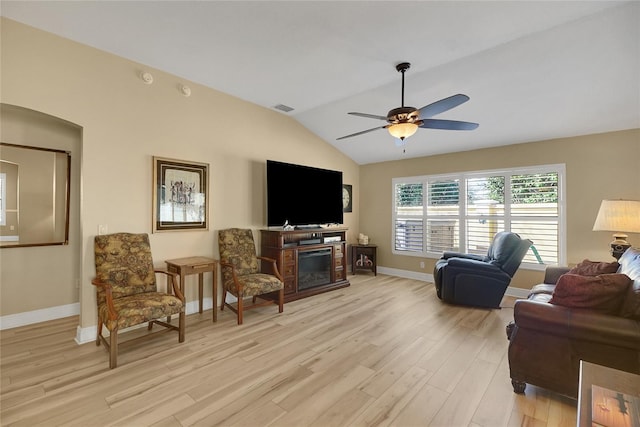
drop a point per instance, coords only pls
(124, 123)
(603, 166)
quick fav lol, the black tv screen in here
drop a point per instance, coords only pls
(303, 195)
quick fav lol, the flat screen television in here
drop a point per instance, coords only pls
(303, 195)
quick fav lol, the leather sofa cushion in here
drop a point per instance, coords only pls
(604, 293)
(594, 268)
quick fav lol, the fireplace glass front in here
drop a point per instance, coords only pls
(314, 268)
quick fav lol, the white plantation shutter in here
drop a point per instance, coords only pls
(408, 217)
(443, 211)
(535, 214)
(484, 212)
(462, 212)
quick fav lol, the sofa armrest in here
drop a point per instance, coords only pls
(552, 274)
(577, 324)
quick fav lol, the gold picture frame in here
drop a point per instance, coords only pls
(180, 195)
(35, 194)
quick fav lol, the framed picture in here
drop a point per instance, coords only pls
(347, 198)
(180, 195)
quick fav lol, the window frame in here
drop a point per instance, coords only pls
(462, 215)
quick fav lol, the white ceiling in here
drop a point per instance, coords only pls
(534, 70)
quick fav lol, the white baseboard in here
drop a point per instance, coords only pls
(36, 316)
(425, 277)
(517, 292)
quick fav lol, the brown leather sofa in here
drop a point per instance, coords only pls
(547, 341)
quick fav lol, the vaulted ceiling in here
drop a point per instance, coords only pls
(533, 70)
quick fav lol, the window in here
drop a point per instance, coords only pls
(462, 212)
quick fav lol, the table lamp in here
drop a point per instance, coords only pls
(619, 216)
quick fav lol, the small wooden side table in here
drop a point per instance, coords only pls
(364, 257)
(618, 384)
(197, 265)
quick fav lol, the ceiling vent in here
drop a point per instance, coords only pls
(283, 107)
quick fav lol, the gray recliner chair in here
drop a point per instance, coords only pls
(476, 280)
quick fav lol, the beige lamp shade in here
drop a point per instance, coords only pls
(618, 216)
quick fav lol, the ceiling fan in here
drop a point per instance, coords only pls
(405, 121)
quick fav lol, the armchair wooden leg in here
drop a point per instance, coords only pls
(181, 326)
(224, 298)
(280, 300)
(240, 310)
(113, 349)
(99, 332)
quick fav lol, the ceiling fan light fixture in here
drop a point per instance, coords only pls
(402, 130)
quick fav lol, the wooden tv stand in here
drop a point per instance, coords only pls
(289, 247)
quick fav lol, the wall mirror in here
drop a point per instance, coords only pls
(34, 196)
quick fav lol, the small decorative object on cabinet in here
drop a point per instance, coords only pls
(364, 257)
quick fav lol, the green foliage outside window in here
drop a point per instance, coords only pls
(409, 195)
(531, 188)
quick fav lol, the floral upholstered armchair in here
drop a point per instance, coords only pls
(127, 292)
(241, 274)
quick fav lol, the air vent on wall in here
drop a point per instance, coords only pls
(283, 107)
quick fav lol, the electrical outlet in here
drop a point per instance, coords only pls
(103, 229)
(421, 264)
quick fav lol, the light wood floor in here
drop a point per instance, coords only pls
(384, 351)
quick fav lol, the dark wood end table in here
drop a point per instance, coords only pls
(364, 257)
